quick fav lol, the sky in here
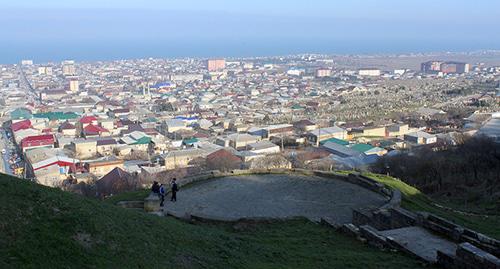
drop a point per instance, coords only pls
(52, 30)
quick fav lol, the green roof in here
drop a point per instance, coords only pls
(362, 147)
(20, 114)
(336, 141)
(190, 141)
(142, 141)
(56, 115)
(151, 119)
(297, 107)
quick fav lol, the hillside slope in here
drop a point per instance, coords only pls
(47, 228)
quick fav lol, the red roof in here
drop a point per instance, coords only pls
(94, 129)
(88, 119)
(38, 140)
(20, 125)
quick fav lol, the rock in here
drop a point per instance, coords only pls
(152, 203)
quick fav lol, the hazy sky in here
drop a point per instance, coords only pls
(90, 30)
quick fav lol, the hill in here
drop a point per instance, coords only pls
(42, 227)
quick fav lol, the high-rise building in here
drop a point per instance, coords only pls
(45, 70)
(323, 72)
(216, 64)
(455, 67)
(27, 62)
(74, 85)
(431, 67)
(445, 67)
(68, 68)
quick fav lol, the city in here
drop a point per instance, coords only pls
(294, 160)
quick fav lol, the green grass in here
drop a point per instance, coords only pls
(42, 227)
(414, 200)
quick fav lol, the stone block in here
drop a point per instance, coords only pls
(152, 203)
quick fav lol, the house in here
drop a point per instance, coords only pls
(340, 150)
(223, 160)
(420, 138)
(397, 130)
(114, 182)
(305, 125)
(103, 166)
(84, 148)
(20, 125)
(38, 141)
(182, 158)
(174, 125)
(94, 131)
(277, 130)
(21, 134)
(87, 120)
(106, 146)
(368, 149)
(263, 147)
(491, 128)
(137, 140)
(20, 114)
(321, 134)
(67, 129)
(49, 166)
(240, 141)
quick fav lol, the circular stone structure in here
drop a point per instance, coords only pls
(273, 196)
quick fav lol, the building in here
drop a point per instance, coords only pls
(396, 130)
(74, 85)
(323, 72)
(49, 166)
(491, 128)
(369, 72)
(305, 125)
(186, 77)
(238, 141)
(321, 134)
(445, 67)
(103, 166)
(84, 148)
(68, 68)
(263, 147)
(38, 141)
(420, 138)
(216, 65)
(115, 182)
(431, 67)
(277, 130)
(182, 158)
(455, 68)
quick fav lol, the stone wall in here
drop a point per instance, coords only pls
(458, 233)
(468, 256)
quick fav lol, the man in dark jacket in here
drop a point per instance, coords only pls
(174, 190)
(155, 188)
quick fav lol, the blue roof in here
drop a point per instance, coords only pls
(162, 84)
(186, 118)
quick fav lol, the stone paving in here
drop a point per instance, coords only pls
(274, 196)
(421, 242)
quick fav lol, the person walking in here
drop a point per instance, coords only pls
(175, 188)
(155, 188)
(162, 194)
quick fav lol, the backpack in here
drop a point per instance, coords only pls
(162, 190)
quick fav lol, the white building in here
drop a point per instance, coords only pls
(369, 72)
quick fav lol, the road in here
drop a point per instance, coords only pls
(4, 144)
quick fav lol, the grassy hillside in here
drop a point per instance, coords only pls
(414, 200)
(47, 228)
